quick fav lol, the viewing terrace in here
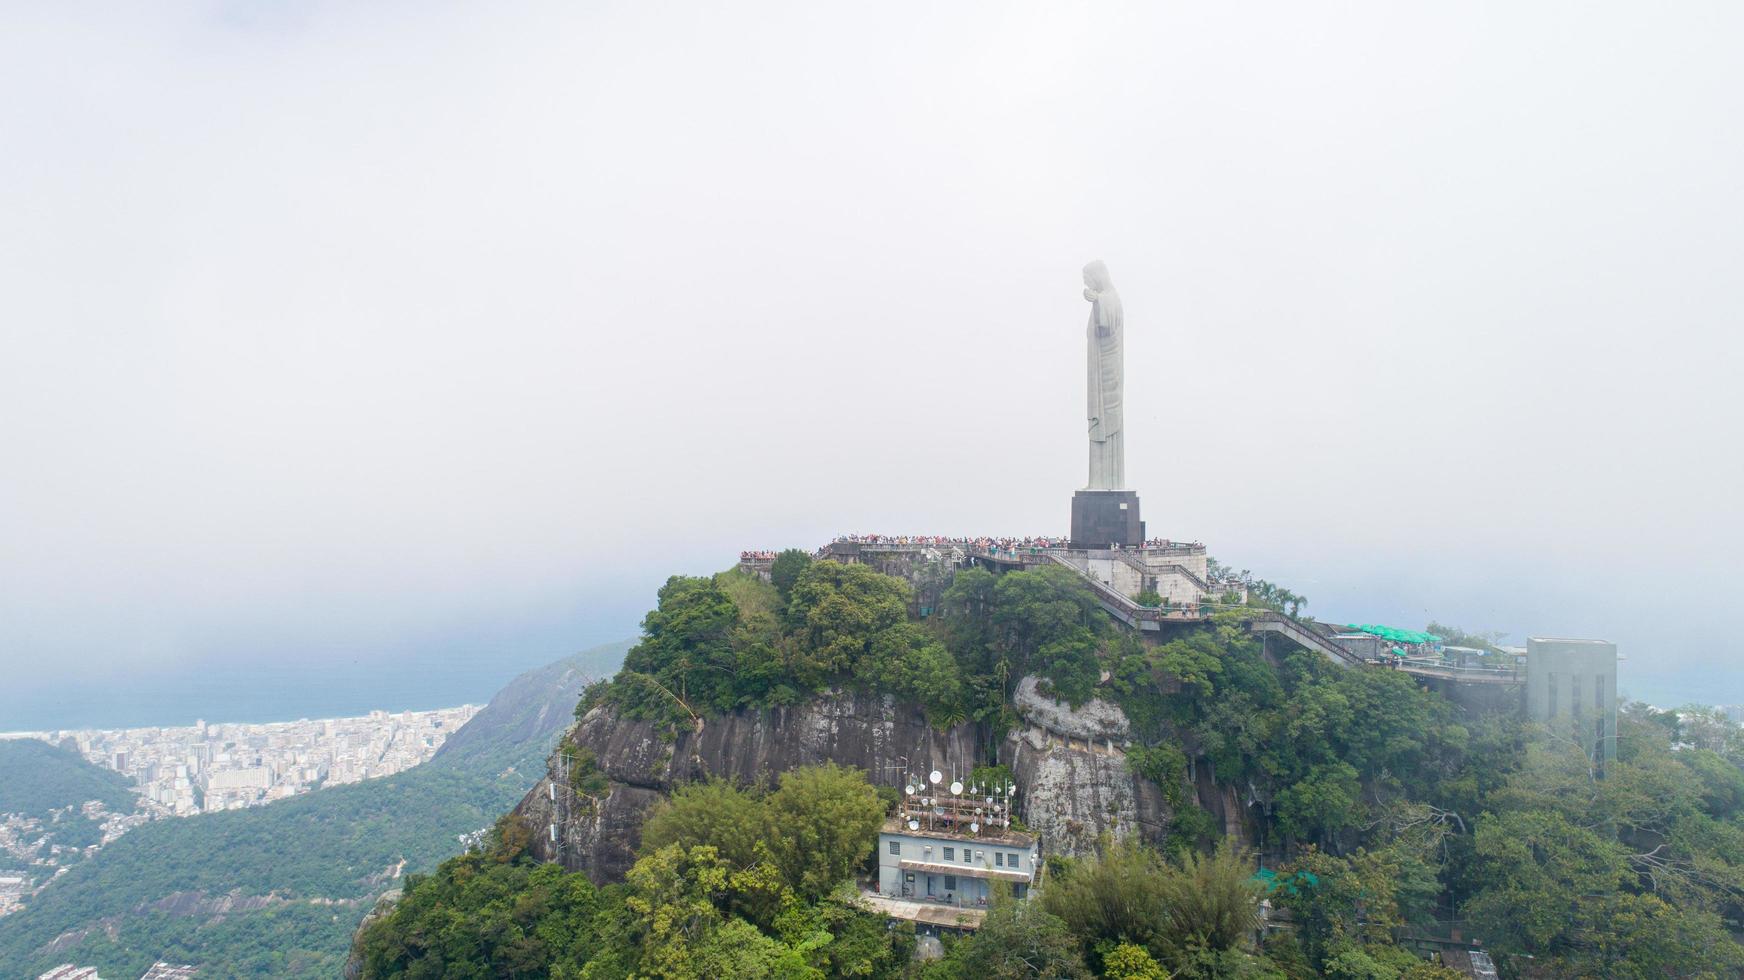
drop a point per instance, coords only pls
(1149, 563)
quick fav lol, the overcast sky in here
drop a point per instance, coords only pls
(380, 333)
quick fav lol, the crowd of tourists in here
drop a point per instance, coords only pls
(1027, 543)
(997, 545)
(1166, 543)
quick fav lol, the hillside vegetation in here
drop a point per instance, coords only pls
(37, 778)
(1380, 813)
(318, 860)
(716, 643)
(732, 884)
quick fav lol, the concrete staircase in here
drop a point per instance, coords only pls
(1304, 636)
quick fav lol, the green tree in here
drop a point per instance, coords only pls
(687, 645)
(844, 940)
(1119, 895)
(786, 569)
(480, 917)
(1352, 905)
(966, 614)
(1196, 918)
(675, 898)
(1195, 661)
(1047, 621)
(1131, 962)
(1531, 868)
(1213, 906)
(714, 812)
(825, 822)
(1020, 940)
(837, 610)
(908, 662)
(1321, 802)
(737, 949)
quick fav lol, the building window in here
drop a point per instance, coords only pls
(896, 848)
(999, 858)
(1011, 861)
(1575, 696)
(1551, 707)
(950, 854)
(968, 855)
(1599, 692)
(950, 883)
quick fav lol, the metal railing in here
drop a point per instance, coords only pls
(1440, 668)
(1304, 636)
(1124, 606)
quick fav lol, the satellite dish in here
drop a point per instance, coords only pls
(956, 789)
(1012, 788)
(909, 789)
(935, 777)
(974, 828)
(914, 825)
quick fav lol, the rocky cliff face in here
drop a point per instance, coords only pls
(1070, 766)
(877, 734)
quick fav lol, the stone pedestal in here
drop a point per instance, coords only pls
(1102, 518)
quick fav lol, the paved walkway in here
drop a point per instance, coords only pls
(924, 913)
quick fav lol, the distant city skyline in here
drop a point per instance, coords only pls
(183, 771)
(170, 765)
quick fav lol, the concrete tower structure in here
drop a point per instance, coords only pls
(1571, 687)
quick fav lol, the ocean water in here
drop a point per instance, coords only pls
(280, 690)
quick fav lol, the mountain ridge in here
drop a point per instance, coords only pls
(37, 778)
(319, 861)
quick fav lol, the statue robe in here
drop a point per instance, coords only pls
(1105, 378)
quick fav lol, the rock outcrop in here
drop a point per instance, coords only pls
(1074, 783)
(1095, 719)
(642, 762)
(1070, 764)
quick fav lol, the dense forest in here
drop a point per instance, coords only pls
(309, 867)
(1379, 811)
(37, 778)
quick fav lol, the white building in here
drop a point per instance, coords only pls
(946, 846)
(953, 866)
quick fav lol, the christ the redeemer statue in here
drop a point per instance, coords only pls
(1105, 513)
(1106, 376)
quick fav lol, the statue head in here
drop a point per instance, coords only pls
(1096, 277)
